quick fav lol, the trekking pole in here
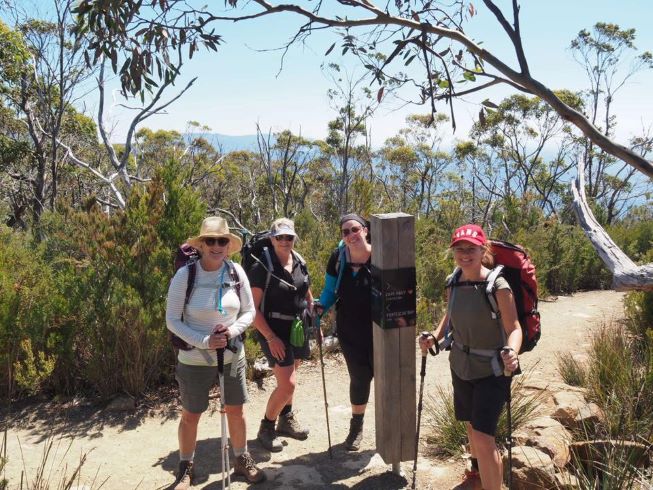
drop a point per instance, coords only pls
(509, 422)
(318, 337)
(224, 450)
(422, 375)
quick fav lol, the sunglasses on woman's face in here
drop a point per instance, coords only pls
(222, 241)
(284, 238)
(353, 230)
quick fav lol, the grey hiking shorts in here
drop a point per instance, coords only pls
(195, 382)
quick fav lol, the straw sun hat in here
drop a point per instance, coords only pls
(215, 227)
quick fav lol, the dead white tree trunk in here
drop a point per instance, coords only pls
(627, 275)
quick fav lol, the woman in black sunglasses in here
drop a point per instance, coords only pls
(281, 290)
(219, 309)
(348, 285)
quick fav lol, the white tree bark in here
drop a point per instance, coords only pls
(627, 275)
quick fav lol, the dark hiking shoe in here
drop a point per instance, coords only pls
(289, 426)
(184, 476)
(267, 436)
(245, 466)
(355, 436)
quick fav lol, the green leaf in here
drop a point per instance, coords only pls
(330, 49)
(469, 76)
(443, 84)
(488, 103)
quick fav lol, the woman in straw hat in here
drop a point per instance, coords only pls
(217, 313)
(483, 352)
(281, 292)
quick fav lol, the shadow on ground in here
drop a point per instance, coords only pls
(79, 417)
(359, 470)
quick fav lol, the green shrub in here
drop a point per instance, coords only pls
(620, 383)
(445, 434)
(564, 257)
(449, 435)
(570, 370)
(113, 271)
(639, 313)
(32, 315)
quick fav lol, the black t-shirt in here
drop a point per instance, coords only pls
(280, 297)
(354, 304)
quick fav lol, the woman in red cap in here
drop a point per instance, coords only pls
(483, 348)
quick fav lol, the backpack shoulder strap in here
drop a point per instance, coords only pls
(268, 261)
(298, 256)
(490, 291)
(233, 275)
(453, 278)
(341, 263)
(302, 262)
(192, 272)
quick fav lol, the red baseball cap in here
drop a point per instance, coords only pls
(469, 233)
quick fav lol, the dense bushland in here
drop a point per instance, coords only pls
(84, 307)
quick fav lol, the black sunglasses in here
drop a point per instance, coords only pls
(353, 229)
(222, 241)
(284, 238)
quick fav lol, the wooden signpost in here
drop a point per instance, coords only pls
(394, 319)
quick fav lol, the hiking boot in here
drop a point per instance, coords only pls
(355, 436)
(245, 466)
(471, 480)
(289, 426)
(267, 436)
(184, 476)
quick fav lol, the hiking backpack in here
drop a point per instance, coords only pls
(513, 263)
(188, 256)
(259, 249)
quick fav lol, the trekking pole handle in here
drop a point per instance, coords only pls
(506, 350)
(318, 311)
(425, 336)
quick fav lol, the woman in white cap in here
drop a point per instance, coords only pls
(281, 290)
(483, 352)
(218, 311)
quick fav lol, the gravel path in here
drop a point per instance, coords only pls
(138, 450)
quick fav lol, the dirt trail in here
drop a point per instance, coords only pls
(138, 450)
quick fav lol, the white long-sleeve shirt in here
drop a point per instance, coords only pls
(202, 313)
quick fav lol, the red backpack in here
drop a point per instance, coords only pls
(513, 263)
(188, 256)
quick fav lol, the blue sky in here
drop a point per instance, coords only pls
(240, 85)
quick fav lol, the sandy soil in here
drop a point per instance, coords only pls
(137, 449)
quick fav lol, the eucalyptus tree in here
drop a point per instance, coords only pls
(285, 158)
(386, 38)
(610, 59)
(42, 71)
(531, 149)
(414, 161)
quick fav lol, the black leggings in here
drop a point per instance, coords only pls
(360, 365)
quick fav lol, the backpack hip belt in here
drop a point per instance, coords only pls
(492, 354)
(280, 316)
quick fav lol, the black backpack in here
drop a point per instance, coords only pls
(188, 256)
